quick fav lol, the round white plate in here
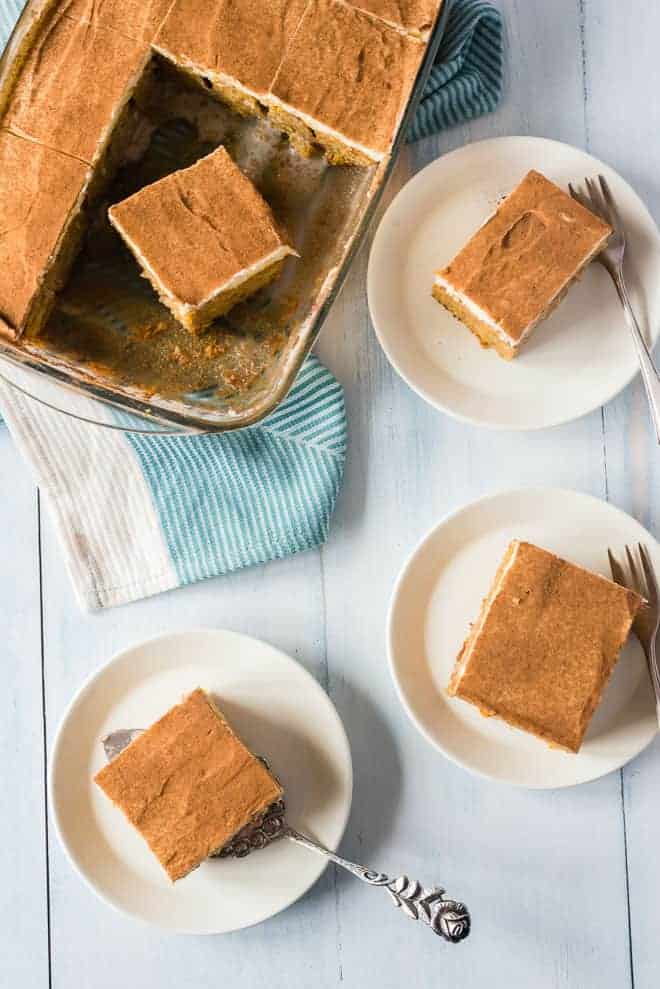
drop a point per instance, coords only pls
(277, 708)
(439, 594)
(580, 358)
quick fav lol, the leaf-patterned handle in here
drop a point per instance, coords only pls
(448, 918)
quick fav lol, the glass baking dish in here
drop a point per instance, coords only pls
(109, 338)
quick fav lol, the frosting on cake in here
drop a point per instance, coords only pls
(545, 644)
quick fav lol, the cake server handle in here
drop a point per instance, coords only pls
(448, 918)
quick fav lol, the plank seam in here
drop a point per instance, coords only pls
(45, 735)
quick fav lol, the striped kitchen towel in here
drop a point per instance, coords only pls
(140, 514)
(466, 80)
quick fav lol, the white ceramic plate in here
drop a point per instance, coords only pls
(277, 708)
(580, 358)
(439, 593)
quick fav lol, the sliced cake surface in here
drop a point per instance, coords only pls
(204, 236)
(188, 784)
(138, 19)
(516, 268)
(40, 192)
(77, 77)
(544, 645)
(416, 16)
(240, 43)
(345, 77)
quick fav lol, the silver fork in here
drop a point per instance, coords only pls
(642, 579)
(599, 200)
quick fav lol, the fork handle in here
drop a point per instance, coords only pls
(647, 366)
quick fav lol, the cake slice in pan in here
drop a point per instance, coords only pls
(520, 263)
(543, 648)
(204, 237)
(73, 86)
(235, 47)
(344, 83)
(41, 194)
(188, 785)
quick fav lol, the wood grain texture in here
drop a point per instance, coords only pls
(563, 885)
(23, 891)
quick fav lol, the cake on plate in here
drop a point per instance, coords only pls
(204, 237)
(544, 646)
(189, 785)
(518, 266)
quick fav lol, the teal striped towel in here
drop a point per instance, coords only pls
(466, 80)
(140, 514)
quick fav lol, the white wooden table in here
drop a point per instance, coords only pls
(563, 886)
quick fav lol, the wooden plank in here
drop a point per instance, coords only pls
(23, 906)
(624, 127)
(526, 862)
(87, 936)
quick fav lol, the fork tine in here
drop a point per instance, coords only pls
(577, 194)
(635, 574)
(653, 592)
(599, 205)
(618, 575)
(615, 218)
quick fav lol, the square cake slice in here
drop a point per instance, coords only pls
(344, 83)
(235, 47)
(188, 785)
(520, 263)
(204, 237)
(544, 646)
(41, 195)
(73, 86)
(415, 16)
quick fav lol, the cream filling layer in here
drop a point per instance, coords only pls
(316, 125)
(242, 276)
(479, 313)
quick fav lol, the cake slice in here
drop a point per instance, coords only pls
(415, 16)
(205, 238)
(188, 785)
(76, 80)
(544, 646)
(344, 83)
(520, 263)
(41, 194)
(235, 48)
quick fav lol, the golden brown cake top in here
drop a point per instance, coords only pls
(188, 784)
(38, 190)
(416, 16)
(349, 72)
(526, 253)
(199, 227)
(244, 41)
(138, 19)
(72, 84)
(545, 644)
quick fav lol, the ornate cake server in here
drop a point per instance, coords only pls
(448, 918)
